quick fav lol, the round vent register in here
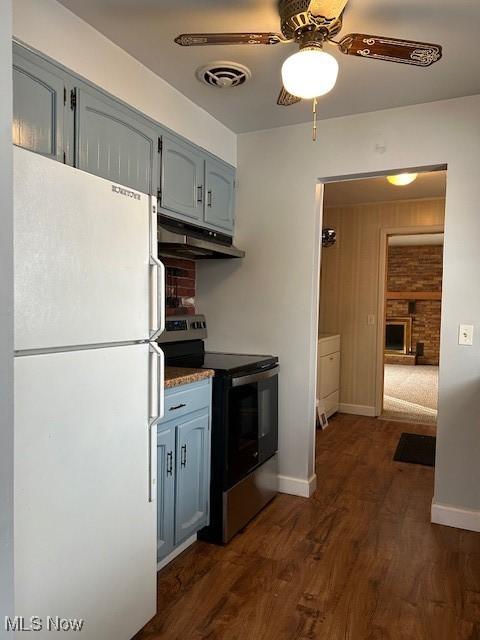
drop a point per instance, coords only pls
(223, 75)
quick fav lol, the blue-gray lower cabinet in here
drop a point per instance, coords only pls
(183, 465)
(191, 496)
(165, 491)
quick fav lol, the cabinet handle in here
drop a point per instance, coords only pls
(183, 455)
(200, 193)
(209, 198)
(169, 463)
(178, 406)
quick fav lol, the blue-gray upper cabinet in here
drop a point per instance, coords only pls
(38, 105)
(165, 491)
(191, 504)
(220, 189)
(182, 180)
(115, 143)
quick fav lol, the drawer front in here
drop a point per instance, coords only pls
(182, 400)
(331, 403)
(328, 345)
(329, 374)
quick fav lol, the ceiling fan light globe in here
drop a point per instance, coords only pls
(309, 73)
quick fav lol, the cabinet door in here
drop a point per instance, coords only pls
(191, 494)
(165, 492)
(182, 180)
(38, 106)
(219, 204)
(114, 143)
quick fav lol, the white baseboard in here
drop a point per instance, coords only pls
(449, 516)
(297, 486)
(357, 409)
(176, 552)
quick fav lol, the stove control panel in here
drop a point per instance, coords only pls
(176, 325)
(181, 328)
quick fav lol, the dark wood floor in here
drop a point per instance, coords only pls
(358, 561)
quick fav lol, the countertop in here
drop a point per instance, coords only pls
(176, 376)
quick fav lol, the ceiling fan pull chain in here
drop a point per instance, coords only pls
(314, 110)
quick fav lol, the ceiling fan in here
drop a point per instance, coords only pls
(312, 72)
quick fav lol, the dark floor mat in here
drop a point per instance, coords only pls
(416, 449)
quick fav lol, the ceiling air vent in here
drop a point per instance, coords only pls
(223, 75)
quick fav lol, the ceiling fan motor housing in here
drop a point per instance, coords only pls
(295, 18)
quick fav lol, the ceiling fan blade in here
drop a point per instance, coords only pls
(327, 9)
(199, 39)
(420, 54)
(286, 99)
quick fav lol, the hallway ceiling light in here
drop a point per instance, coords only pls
(402, 179)
(309, 73)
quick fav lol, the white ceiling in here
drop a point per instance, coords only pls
(417, 240)
(146, 29)
(427, 185)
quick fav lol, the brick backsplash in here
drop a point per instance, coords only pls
(180, 286)
(417, 269)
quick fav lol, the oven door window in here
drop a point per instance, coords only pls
(243, 434)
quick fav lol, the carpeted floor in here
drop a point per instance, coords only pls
(410, 393)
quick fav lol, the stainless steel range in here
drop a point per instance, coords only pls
(244, 425)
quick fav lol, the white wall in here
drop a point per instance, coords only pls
(266, 302)
(6, 317)
(54, 30)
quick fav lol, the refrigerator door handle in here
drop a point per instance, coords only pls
(159, 305)
(151, 475)
(155, 410)
(157, 375)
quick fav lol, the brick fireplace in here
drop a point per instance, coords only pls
(416, 273)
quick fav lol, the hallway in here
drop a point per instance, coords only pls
(358, 561)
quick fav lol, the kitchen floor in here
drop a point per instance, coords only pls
(358, 561)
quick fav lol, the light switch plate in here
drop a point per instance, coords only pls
(465, 334)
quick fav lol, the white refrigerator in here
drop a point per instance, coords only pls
(89, 303)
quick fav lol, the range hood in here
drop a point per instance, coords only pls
(182, 240)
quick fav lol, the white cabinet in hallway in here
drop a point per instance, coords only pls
(328, 372)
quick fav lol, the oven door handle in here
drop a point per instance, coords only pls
(254, 377)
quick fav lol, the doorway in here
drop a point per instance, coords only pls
(412, 312)
(362, 215)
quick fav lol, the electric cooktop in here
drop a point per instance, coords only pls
(183, 345)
